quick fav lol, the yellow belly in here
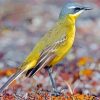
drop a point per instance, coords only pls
(63, 50)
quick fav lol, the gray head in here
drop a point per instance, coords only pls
(74, 9)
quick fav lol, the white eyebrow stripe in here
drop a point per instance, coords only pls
(71, 7)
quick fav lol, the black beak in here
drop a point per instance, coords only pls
(87, 8)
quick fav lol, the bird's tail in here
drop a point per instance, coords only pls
(11, 79)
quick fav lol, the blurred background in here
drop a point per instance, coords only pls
(23, 22)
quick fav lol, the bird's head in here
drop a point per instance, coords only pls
(73, 9)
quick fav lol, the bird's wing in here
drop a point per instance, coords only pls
(45, 45)
(46, 56)
(41, 64)
(54, 35)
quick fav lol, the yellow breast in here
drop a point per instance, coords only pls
(64, 48)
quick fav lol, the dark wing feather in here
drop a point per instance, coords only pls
(41, 64)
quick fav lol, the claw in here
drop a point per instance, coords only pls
(56, 93)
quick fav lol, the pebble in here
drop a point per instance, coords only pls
(1, 65)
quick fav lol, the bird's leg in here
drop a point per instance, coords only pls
(55, 91)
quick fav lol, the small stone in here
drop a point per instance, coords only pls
(1, 65)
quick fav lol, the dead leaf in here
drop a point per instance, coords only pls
(84, 60)
(87, 72)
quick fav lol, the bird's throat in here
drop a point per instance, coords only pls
(70, 20)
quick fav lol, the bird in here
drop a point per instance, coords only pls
(53, 46)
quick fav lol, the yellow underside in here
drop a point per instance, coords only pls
(62, 51)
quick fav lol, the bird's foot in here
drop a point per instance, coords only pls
(56, 93)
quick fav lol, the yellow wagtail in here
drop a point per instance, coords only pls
(53, 46)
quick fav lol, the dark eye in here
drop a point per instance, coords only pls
(77, 9)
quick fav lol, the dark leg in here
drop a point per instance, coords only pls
(56, 92)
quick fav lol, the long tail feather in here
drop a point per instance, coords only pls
(11, 79)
